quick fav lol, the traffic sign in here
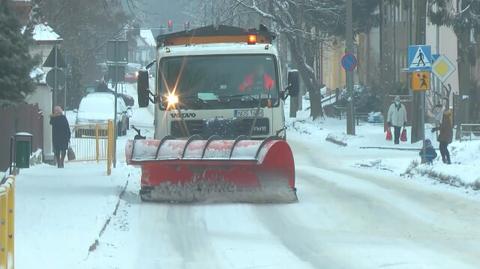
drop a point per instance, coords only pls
(117, 52)
(419, 58)
(50, 61)
(349, 61)
(420, 81)
(443, 68)
(50, 79)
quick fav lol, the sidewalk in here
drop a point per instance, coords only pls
(81, 195)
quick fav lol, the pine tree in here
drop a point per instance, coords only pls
(15, 60)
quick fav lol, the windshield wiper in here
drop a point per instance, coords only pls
(241, 97)
(193, 97)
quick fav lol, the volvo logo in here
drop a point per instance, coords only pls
(183, 115)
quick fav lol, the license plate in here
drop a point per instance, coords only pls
(248, 113)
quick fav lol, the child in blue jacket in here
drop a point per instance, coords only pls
(430, 153)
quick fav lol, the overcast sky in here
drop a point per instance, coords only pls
(158, 12)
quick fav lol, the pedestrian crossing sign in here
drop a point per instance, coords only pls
(420, 81)
(419, 58)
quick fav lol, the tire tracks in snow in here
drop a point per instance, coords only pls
(188, 234)
(96, 243)
(303, 242)
(419, 216)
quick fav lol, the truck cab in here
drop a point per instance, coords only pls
(218, 81)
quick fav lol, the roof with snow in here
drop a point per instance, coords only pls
(43, 32)
(38, 75)
(147, 36)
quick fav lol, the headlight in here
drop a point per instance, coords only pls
(172, 100)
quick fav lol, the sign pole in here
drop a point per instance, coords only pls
(115, 105)
(349, 73)
(54, 93)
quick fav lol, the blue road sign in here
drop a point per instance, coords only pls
(419, 58)
(349, 62)
(435, 57)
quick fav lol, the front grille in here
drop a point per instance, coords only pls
(193, 126)
(226, 128)
(262, 126)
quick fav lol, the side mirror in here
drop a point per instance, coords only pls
(75, 110)
(142, 88)
(293, 83)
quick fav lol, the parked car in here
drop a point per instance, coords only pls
(98, 108)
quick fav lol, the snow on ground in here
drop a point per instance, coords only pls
(402, 159)
(347, 216)
(60, 212)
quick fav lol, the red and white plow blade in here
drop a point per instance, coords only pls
(214, 170)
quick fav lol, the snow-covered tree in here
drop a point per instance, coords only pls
(15, 60)
(300, 21)
(85, 27)
(464, 18)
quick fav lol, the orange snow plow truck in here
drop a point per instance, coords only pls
(219, 119)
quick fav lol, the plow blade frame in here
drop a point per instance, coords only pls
(215, 170)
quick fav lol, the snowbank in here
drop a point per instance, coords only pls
(373, 151)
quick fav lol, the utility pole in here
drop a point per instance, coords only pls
(55, 84)
(418, 109)
(115, 127)
(438, 86)
(117, 58)
(349, 73)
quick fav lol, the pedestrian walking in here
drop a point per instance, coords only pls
(397, 117)
(60, 135)
(445, 135)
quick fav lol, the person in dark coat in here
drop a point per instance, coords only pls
(446, 135)
(60, 135)
(430, 153)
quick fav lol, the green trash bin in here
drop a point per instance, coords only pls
(23, 149)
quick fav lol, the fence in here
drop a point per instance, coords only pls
(7, 223)
(470, 131)
(93, 142)
(19, 118)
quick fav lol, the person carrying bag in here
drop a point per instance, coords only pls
(397, 117)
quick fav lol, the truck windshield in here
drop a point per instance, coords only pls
(220, 81)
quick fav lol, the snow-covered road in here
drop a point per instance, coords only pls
(346, 218)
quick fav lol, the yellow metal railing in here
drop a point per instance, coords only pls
(89, 142)
(7, 224)
(93, 142)
(110, 145)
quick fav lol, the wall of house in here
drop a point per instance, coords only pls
(333, 73)
(42, 96)
(448, 47)
(368, 54)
